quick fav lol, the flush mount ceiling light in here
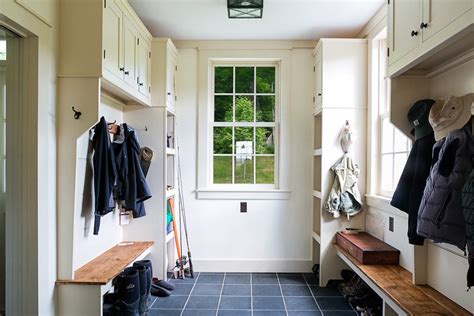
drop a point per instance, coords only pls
(245, 9)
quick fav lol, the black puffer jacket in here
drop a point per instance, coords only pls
(468, 205)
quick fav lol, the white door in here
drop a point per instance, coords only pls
(143, 48)
(318, 82)
(112, 39)
(171, 81)
(437, 14)
(404, 18)
(130, 40)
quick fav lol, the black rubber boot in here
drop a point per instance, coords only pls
(146, 301)
(128, 292)
(143, 274)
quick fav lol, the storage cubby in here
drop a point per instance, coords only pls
(318, 131)
(170, 130)
(317, 173)
(317, 215)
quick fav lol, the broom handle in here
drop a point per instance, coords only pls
(176, 236)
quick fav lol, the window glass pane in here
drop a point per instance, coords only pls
(401, 141)
(223, 108)
(244, 169)
(265, 108)
(264, 139)
(399, 164)
(222, 140)
(223, 80)
(223, 169)
(244, 109)
(387, 136)
(244, 140)
(265, 169)
(265, 79)
(244, 79)
(387, 172)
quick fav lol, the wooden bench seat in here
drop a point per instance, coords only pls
(394, 284)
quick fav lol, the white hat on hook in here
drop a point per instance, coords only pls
(346, 137)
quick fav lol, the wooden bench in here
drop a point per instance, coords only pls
(401, 297)
(83, 295)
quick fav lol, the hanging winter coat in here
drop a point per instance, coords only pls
(344, 196)
(104, 173)
(407, 197)
(131, 188)
(468, 205)
(441, 216)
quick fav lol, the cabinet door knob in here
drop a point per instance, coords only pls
(423, 25)
(320, 94)
(140, 84)
(127, 73)
(169, 93)
(414, 33)
(121, 68)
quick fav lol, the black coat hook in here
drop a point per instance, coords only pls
(77, 114)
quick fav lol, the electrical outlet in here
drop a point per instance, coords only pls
(243, 207)
(390, 223)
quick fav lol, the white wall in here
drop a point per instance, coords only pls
(275, 235)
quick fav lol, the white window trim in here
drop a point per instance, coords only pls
(205, 188)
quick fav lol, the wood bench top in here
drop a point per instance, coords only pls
(396, 283)
(102, 269)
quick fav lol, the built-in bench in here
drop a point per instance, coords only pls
(83, 294)
(394, 285)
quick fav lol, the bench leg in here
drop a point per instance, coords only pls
(79, 300)
(388, 311)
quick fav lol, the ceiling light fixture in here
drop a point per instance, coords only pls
(245, 9)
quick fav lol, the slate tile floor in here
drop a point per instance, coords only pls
(251, 294)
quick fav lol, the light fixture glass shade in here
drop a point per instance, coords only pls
(245, 9)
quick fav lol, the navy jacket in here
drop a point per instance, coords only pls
(131, 188)
(104, 173)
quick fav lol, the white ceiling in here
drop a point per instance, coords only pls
(282, 19)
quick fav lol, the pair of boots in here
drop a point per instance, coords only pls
(161, 288)
(132, 295)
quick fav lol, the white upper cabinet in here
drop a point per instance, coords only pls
(164, 68)
(112, 42)
(171, 81)
(130, 39)
(419, 29)
(405, 21)
(144, 64)
(437, 14)
(318, 78)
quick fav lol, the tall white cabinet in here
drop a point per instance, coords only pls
(340, 95)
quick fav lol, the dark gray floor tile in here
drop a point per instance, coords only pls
(203, 302)
(236, 289)
(234, 313)
(301, 304)
(171, 302)
(164, 312)
(333, 303)
(295, 290)
(199, 312)
(311, 279)
(182, 289)
(207, 289)
(264, 278)
(291, 278)
(340, 313)
(269, 313)
(304, 313)
(237, 279)
(235, 302)
(268, 303)
(325, 291)
(211, 278)
(266, 290)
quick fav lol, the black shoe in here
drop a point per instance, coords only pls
(164, 284)
(316, 270)
(347, 275)
(128, 292)
(157, 290)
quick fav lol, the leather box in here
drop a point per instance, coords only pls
(367, 249)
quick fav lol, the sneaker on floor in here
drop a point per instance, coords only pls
(164, 284)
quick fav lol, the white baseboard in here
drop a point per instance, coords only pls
(204, 265)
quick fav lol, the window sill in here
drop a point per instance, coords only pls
(221, 194)
(383, 203)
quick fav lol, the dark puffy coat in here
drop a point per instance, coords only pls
(131, 188)
(468, 204)
(440, 216)
(407, 197)
(104, 172)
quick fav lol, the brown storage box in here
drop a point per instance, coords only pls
(367, 249)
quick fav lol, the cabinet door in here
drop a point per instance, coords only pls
(437, 14)
(404, 27)
(112, 39)
(171, 68)
(318, 82)
(144, 56)
(130, 40)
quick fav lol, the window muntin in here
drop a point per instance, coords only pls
(244, 124)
